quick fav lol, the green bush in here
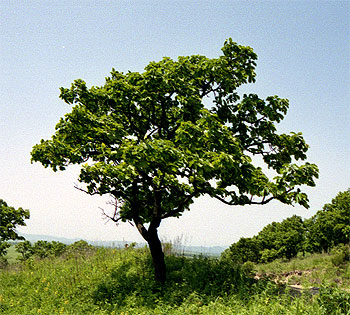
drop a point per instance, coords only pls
(341, 254)
(338, 259)
(329, 227)
(42, 249)
(246, 249)
(26, 250)
(80, 246)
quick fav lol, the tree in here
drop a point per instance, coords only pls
(275, 240)
(152, 141)
(10, 218)
(246, 249)
(339, 210)
(331, 225)
(282, 239)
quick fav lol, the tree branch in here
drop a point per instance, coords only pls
(232, 203)
(140, 227)
(113, 218)
(85, 191)
(116, 216)
(263, 201)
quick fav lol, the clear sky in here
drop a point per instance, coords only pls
(303, 50)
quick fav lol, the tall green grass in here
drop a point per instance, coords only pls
(112, 281)
(311, 270)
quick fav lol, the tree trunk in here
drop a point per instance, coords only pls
(155, 246)
(151, 234)
(157, 254)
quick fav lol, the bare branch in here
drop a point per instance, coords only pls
(115, 217)
(85, 191)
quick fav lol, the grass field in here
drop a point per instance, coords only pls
(112, 281)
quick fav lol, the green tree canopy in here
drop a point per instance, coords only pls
(158, 139)
(282, 239)
(10, 218)
(246, 249)
(276, 240)
(331, 225)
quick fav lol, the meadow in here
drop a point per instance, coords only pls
(90, 280)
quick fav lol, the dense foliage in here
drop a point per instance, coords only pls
(158, 139)
(284, 239)
(10, 219)
(329, 227)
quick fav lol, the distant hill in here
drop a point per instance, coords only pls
(186, 250)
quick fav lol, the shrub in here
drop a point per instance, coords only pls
(341, 254)
(57, 248)
(338, 259)
(42, 249)
(248, 268)
(80, 247)
(25, 249)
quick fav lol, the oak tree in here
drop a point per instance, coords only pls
(159, 139)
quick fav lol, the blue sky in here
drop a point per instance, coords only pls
(303, 51)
